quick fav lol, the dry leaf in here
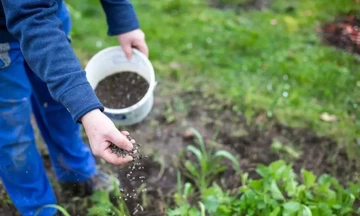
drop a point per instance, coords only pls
(328, 118)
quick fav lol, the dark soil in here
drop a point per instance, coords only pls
(240, 4)
(343, 33)
(151, 182)
(121, 90)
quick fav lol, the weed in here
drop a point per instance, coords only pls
(185, 192)
(209, 163)
(286, 150)
(103, 206)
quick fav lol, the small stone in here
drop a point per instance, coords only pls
(188, 134)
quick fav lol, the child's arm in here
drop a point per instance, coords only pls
(120, 16)
(46, 49)
(123, 23)
(48, 53)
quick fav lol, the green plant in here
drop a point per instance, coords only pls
(102, 204)
(279, 192)
(285, 150)
(185, 192)
(209, 163)
(58, 207)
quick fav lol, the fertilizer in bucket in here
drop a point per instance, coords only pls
(125, 87)
(122, 89)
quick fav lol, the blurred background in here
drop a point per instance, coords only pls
(266, 55)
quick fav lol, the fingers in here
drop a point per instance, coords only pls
(109, 157)
(142, 47)
(127, 50)
(126, 133)
(133, 39)
(120, 140)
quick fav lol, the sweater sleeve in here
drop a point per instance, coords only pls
(120, 16)
(34, 23)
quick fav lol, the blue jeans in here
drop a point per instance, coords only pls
(21, 167)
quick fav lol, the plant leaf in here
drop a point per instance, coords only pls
(229, 156)
(292, 207)
(275, 191)
(275, 212)
(187, 189)
(309, 178)
(256, 184)
(191, 168)
(306, 211)
(262, 170)
(59, 208)
(200, 140)
(196, 152)
(202, 208)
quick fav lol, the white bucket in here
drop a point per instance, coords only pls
(112, 60)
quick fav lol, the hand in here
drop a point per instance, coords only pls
(101, 130)
(133, 39)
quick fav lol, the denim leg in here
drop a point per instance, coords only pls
(21, 167)
(71, 158)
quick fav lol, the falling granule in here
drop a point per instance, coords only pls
(136, 165)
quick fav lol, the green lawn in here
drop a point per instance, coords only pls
(282, 68)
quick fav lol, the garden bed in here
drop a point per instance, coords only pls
(164, 135)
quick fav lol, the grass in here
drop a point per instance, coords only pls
(264, 61)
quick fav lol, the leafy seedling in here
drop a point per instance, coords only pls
(209, 163)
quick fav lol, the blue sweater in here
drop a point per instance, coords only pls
(45, 47)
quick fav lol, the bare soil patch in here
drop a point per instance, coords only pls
(343, 33)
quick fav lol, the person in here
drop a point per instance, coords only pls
(40, 74)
